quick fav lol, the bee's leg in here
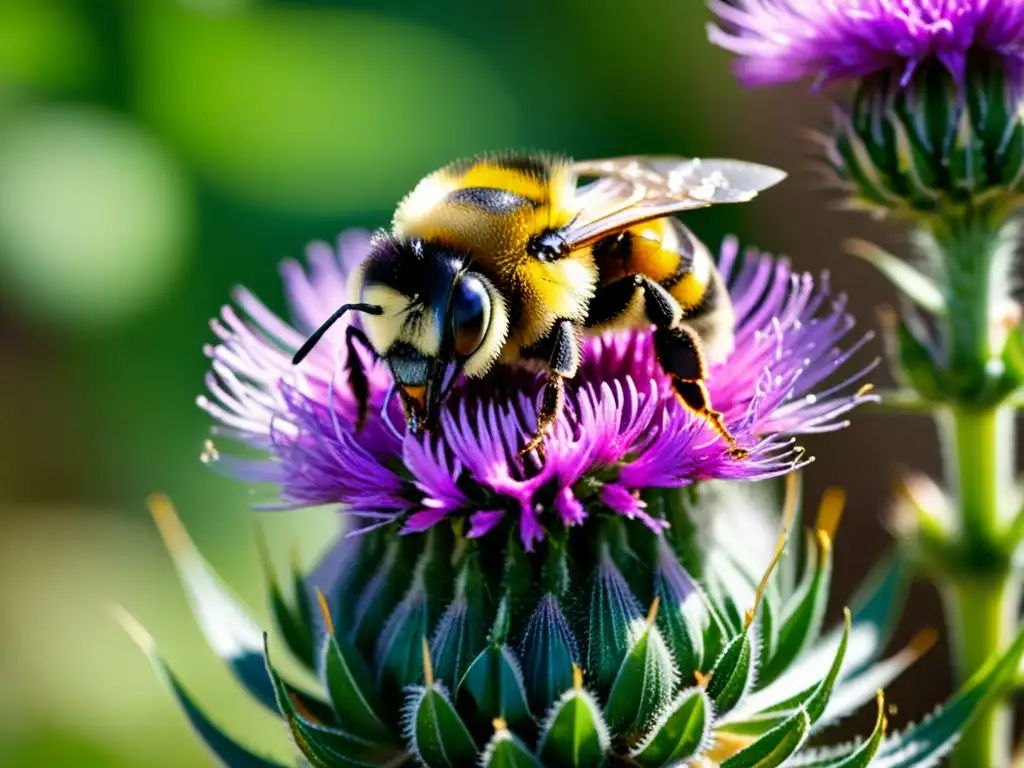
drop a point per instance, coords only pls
(357, 378)
(614, 299)
(677, 347)
(563, 357)
(679, 353)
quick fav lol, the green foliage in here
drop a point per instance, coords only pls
(683, 730)
(575, 734)
(643, 712)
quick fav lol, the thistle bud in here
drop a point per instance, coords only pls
(933, 145)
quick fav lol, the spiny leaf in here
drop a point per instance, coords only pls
(925, 744)
(685, 615)
(319, 740)
(803, 619)
(226, 624)
(908, 280)
(549, 654)
(495, 683)
(775, 747)
(295, 624)
(349, 684)
(850, 756)
(225, 749)
(574, 734)
(461, 633)
(613, 612)
(733, 673)
(397, 657)
(505, 750)
(854, 692)
(877, 605)
(813, 701)
(379, 596)
(679, 733)
(645, 681)
(434, 730)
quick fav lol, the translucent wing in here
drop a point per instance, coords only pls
(630, 190)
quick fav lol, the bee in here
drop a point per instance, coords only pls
(511, 259)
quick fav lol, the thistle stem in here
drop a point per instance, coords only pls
(981, 591)
(982, 614)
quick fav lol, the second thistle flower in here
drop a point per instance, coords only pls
(935, 124)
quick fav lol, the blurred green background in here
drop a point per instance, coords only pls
(155, 152)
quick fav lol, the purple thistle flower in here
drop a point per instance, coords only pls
(623, 429)
(783, 40)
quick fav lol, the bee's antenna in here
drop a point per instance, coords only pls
(370, 309)
(387, 416)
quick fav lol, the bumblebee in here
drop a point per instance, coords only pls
(510, 259)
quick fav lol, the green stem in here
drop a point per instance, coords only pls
(983, 617)
(981, 595)
(979, 451)
(980, 589)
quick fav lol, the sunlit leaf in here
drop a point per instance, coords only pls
(505, 750)
(682, 731)
(775, 747)
(226, 750)
(574, 735)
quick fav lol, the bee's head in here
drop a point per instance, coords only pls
(438, 318)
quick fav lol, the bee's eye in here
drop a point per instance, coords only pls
(471, 314)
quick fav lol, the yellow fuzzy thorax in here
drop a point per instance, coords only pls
(497, 240)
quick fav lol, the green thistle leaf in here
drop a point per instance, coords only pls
(685, 616)
(318, 739)
(349, 685)
(461, 633)
(495, 683)
(505, 750)
(574, 734)
(804, 616)
(907, 279)
(228, 752)
(397, 656)
(813, 700)
(852, 756)
(611, 622)
(878, 604)
(294, 623)
(225, 622)
(733, 673)
(853, 692)
(379, 596)
(436, 734)
(681, 732)
(775, 747)
(925, 744)
(549, 654)
(645, 681)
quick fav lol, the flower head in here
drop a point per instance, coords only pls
(784, 40)
(622, 431)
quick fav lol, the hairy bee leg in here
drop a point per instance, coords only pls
(563, 355)
(679, 353)
(614, 299)
(550, 406)
(357, 378)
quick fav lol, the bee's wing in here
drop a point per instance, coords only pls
(630, 190)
